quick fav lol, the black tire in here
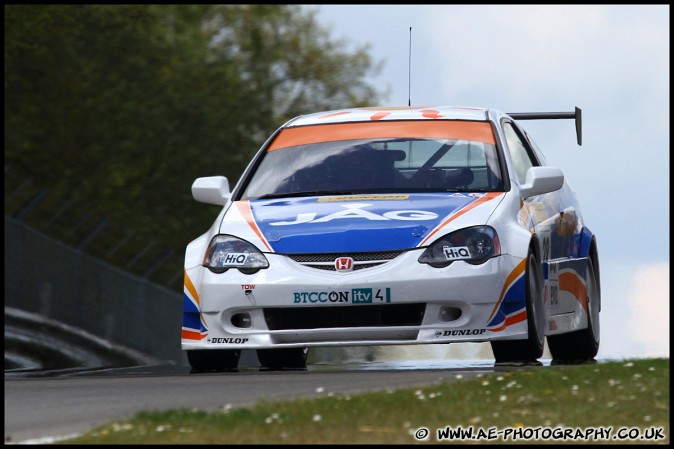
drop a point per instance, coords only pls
(582, 345)
(213, 359)
(283, 358)
(532, 348)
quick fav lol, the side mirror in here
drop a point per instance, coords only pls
(542, 180)
(211, 190)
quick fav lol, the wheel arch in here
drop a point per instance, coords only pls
(589, 250)
(594, 257)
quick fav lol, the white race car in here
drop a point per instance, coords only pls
(391, 226)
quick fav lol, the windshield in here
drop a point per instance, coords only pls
(390, 164)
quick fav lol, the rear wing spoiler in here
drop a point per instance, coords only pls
(554, 115)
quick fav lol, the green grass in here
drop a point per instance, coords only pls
(628, 394)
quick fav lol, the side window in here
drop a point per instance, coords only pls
(537, 150)
(522, 157)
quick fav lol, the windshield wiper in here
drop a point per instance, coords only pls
(444, 190)
(304, 193)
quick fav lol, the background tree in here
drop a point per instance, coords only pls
(116, 109)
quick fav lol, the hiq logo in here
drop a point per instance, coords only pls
(234, 258)
(456, 252)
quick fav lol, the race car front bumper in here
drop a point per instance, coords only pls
(399, 302)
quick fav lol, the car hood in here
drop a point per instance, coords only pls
(363, 223)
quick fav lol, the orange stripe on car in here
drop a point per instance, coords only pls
(517, 318)
(440, 129)
(190, 288)
(430, 113)
(483, 199)
(335, 114)
(512, 277)
(244, 208)
(570, 282)
(379, 115)
(509, 321)
(191, 335)
(499, 329)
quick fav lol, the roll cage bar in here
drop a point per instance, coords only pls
(554, 115)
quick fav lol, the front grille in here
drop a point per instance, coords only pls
(360, 260)
(345, 316)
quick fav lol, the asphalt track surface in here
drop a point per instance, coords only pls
(45, 407)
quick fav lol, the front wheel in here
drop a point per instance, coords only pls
(213, 359)
(283, 358)
(581, 345)
(532, 348)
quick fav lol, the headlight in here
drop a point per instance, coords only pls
(474, 245)
(226, 251)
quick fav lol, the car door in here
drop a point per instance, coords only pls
(553, 218)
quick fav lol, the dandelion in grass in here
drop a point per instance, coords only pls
(629, 364)
(316, 418)
(647, 418)
(458, 376)
(503, 398)
(320, 390)
(420, 395)
(574, 390)
(119, 427)
(271, 418)
(525, 398)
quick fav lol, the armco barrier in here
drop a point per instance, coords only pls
(46, 277)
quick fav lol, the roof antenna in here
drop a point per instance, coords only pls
(409, 74)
